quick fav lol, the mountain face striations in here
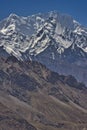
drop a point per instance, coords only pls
(56, 40)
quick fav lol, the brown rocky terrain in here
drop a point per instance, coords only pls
(34, 98)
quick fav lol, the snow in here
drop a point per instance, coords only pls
(74, 21)
(13, 15)
(84, 49)
(13, 52)
(38, 18)
(8, 49)
(65, 43)
(8, 29)
(53, 21)
(37, 47)
(60, 50)
(79, 31)
(53, 56)
(20, 34)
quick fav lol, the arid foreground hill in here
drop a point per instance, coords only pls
(34, 98)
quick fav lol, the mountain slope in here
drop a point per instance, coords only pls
(10, 120)
(43, 98)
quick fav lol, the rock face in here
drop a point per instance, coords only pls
(56, 40)
(32, 94)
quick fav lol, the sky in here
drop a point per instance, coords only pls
(76, 8)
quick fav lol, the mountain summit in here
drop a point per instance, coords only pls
(54, 39)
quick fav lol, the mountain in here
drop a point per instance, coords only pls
(53, 39)
(34, 98)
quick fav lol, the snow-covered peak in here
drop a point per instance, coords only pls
(35, 33)
(30, 25)
(13, 16)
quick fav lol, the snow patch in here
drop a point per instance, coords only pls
(6, 31)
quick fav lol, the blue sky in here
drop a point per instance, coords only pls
(75, 8)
